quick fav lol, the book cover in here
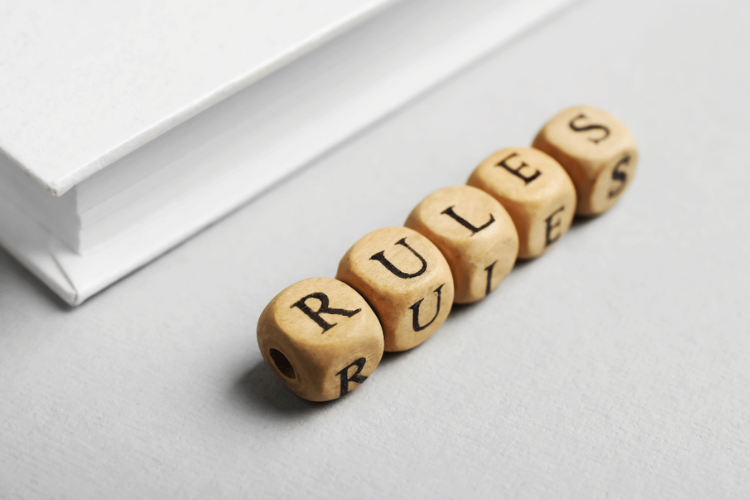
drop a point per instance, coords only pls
(272, 87)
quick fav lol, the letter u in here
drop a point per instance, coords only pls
(380, 257)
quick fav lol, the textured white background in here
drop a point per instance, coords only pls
(615, 366)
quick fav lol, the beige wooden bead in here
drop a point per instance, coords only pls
(535, 190)
(406, 280)
(475, 234)
(596, 149)
(321, 338)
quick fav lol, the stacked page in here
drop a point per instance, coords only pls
(175, 115)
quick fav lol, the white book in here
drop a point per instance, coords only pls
(127, 127)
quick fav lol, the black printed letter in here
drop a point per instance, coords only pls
(324, 309)
(551, 226)
(576, 128)
(356, 378)
(619, 176)
(415, 311)
(468, 225)
(380, 257)
(517, 172)
(489, 278)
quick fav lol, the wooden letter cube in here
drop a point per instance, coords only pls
(475, 234)
(596, 149)
(535, 190)
(321, 338)
(406, 280)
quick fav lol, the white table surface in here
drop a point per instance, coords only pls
(617, 365)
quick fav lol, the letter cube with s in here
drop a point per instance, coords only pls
(596, 149)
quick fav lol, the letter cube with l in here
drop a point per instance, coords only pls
(596, 149)
(475, 234)
(406, 280)
(320, 338)
(535, 190)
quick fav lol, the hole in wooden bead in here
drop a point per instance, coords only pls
(283, 364)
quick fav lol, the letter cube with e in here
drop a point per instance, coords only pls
(596, 149)
(475, 234)
(321, 338)
(406, 280)
(535, 190)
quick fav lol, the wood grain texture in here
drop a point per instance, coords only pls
(536, 192)
(475, 234)
(320, 338)
(596, 149)
(406, 280)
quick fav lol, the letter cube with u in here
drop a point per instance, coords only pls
(406, 280)
(320, 338)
